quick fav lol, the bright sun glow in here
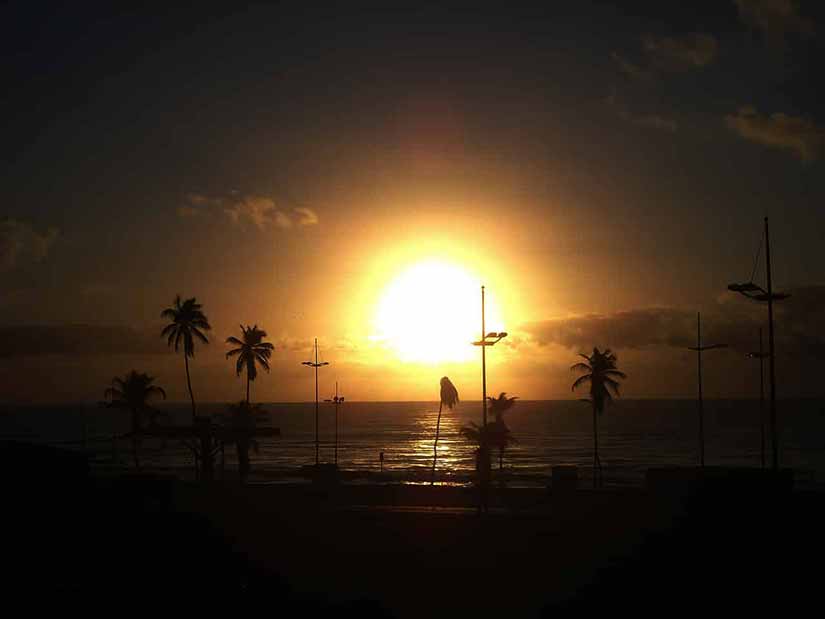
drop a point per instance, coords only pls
(431, 313)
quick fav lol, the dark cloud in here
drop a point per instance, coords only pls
(799, 135)
(800, 326)
(673, 54)
(258, 211)
(34, 340)
(19, 241)
(776, 19)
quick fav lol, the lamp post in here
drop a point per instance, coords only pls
(483, 462)
(761, 356)
(489, 339)
(753, 291)
(699, 349)
(315, 365)
(337, 399)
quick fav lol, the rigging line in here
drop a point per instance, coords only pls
(756, 261)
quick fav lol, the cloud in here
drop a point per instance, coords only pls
(800, 322)
(36, 340)
(629, 68)
(799, 135)
(19, 242)
(669, 55)
(260, 212)
(650, 121)
(775, 19)
(681, 53)
(308, 217)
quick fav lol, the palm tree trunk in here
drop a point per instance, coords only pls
(435, 445)
(189, 384)
(596, 464)
(135, 431)
(247, 389)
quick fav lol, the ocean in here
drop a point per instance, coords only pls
(634, 435)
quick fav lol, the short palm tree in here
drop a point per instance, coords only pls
(449, 396)
(133, 392)
(601, 372)
(239, 426)
(251, 351)
(500, 435)
(188, 323)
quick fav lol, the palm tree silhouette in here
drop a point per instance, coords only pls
(133, 392)
(601, 372)
(449, 396)
(188, 323)
(240, 424)
(500, 434)
(251, 351)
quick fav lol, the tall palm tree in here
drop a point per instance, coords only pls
(133, 392)
(449, 396)
(500, 433)
(251, 351)
(601, 372)
(188, 323)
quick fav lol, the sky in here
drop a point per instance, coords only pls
(356, 174)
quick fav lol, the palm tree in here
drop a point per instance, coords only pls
(600, 371)
(449, 396)
(133, 392)
(500, 433)
(251, 351)
(187, 323)
(239, 426)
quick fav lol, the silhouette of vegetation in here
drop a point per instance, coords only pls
(251, 351)
(500, 434)
(601, 372)
(449, 396)
(238, 428)
(133, 392)
(188, 323)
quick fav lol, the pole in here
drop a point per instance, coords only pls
(701, 402)
(761, 399)
(316, 402)
(772, 353)
(336, 423)
(483, 364)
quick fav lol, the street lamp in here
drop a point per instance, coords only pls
(338, 399)
(753, 291)
(489, 339)
(699, 349)
(315, 365)
(761, 356)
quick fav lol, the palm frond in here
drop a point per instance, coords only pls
(580, 381)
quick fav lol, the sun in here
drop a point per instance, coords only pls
(431, 313)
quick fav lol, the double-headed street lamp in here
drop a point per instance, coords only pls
(753, 291)
(316, 365)
(699, 350)
(487, 339)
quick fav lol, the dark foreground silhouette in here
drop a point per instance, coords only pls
(375, 551)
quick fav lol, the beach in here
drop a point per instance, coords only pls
(408, 551)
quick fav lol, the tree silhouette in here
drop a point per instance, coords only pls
(449, 396)
(188, 322)
(251, 351)
(601, 372)
(239, 426)
(133, 392)
(500, 434)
